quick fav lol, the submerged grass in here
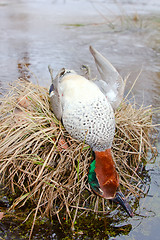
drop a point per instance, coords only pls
(41, 163)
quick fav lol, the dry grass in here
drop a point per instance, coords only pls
(35, 165)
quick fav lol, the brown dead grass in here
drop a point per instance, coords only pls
(35, 165)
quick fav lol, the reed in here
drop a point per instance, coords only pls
(40, 162)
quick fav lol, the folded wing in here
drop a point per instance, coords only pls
(55, 98)
(111, 84)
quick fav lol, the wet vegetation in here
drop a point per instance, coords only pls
(44, 194)
(45, 170)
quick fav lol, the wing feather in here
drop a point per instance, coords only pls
(112, 84)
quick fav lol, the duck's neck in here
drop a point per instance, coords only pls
(103, 176)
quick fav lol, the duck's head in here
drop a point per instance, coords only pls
(104, 179)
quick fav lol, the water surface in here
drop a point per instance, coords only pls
(37, 33)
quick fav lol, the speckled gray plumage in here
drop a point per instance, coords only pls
(96, 127)
(85, 106)
(89, 118)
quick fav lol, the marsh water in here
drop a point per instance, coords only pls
(35, 34)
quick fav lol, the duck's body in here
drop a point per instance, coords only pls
(87, 114)
(86, 109)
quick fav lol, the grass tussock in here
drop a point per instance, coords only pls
(40, 162)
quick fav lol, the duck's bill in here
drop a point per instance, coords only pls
(120, 199)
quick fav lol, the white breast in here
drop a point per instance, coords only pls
(87, 114)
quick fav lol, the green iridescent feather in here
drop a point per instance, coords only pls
(92, 179)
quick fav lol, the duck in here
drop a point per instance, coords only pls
(86, 109)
